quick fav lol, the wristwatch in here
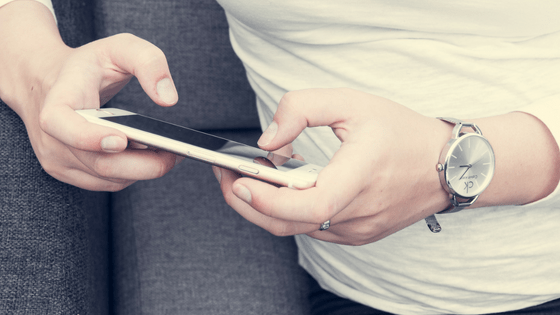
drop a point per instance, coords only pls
(466, 167)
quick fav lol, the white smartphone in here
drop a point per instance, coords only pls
(241, 158)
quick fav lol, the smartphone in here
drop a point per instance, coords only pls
(241, 158)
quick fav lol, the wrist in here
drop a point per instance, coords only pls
(31, 55)
(441, 134)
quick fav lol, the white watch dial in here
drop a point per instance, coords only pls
(470, 165)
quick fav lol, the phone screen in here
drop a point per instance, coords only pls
(206, 141)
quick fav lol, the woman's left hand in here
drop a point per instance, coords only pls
(382, 179)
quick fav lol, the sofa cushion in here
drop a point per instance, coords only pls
(213, 89)
(180, 249)
(54, 240)
(53, 237)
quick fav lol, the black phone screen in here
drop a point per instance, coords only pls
(205, 140)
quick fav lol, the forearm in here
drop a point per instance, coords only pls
(527, 160)
(31, 47)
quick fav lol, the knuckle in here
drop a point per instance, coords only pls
(162, 168)
(123, 38)
(323, 209)
(160, 171)
(114, 187)
(49, 161)
(287, 98)
(50, 167)
(362, 232)
(44, 118)
(288, 101)
(101, 167)
(279, 230)
(158, 168)
(81, 140)
(104, 185)
(360, 242)
(149, 55)
(369, 229)
(126, 36)
(229, 197)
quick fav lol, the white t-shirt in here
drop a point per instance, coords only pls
(48, 3)
(463, 59)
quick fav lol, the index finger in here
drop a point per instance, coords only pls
(298, 110)
(146, 62)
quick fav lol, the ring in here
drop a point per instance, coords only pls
(325, 225)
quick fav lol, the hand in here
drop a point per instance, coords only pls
(382, 179)
(51, 80)
(91, 156)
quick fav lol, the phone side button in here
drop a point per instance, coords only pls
(248, 169)
(202, 157)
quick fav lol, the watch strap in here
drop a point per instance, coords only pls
(459, 124)
(457, 205)
(452, 120)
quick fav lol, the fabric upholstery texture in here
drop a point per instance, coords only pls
(181, 250)
(166, 246)
(213, 90)
(54, 238)
(178, 247)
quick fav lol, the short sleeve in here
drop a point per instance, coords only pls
(47, 3)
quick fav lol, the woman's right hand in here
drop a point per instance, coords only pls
(47, 87)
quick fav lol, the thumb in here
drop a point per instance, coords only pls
(147, 62)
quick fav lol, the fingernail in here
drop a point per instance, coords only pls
(242, 192)
(137, 146)
(166, 91)
(112, 144)
(268, 134)
(217, 173)
(270, 156)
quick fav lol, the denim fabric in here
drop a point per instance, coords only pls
(326, 303)
(53, 237)
(180, 249)
(213, 89)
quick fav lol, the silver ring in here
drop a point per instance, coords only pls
(325, 225)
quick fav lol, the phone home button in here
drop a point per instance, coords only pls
(248, 169)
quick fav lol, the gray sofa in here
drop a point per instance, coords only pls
(165, 246)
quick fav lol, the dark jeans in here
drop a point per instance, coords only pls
(326, 303)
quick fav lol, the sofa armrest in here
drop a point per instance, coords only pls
(54, 238)
(54, 245)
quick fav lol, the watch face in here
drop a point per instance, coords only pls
(470, 165)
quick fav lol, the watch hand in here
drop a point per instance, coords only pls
(468, 168)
